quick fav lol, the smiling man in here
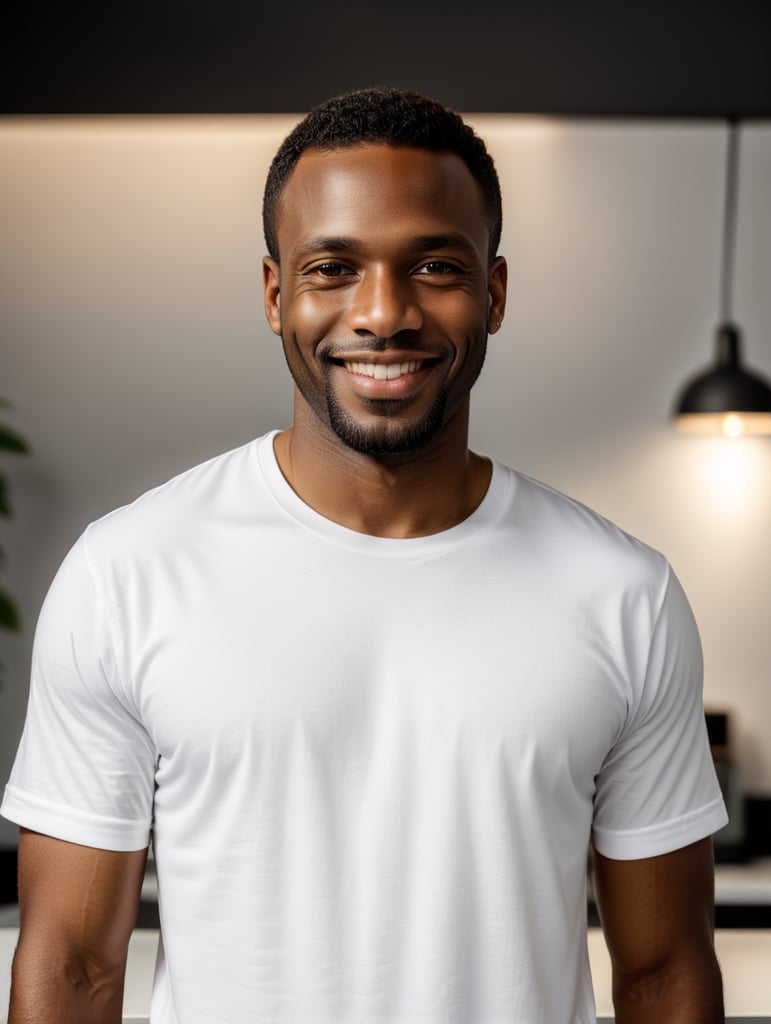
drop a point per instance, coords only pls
(374, 697)
(382, 287)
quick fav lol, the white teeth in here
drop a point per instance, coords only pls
(383, 371)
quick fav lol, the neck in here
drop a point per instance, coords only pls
(412, 495)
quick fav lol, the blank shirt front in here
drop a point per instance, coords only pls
(370, 767)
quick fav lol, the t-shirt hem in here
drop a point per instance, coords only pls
(664, 837)
(73, 826)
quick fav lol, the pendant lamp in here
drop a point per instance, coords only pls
(727, 398)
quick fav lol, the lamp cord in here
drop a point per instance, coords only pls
(729, 221)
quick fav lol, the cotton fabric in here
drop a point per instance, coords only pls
(370, 768)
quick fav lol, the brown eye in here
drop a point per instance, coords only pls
(331, 270)
(435, 267)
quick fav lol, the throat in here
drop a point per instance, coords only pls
(370, 496)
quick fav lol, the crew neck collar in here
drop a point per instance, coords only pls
(485, 515)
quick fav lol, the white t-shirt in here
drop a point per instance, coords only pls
(371, 767)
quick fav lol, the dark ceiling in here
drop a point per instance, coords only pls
(611, 59)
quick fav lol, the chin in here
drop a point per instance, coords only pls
(387, 437)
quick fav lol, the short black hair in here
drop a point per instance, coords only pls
(396, 117)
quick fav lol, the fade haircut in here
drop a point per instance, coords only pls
(394, 117)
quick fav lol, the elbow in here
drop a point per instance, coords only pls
(687, 989)
(89, 987)
(91, 976)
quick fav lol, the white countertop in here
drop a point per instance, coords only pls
(744, 883)
(745, 956)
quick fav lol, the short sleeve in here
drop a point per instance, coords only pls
(85, 768)
(657, 790)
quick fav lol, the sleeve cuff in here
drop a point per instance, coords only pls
(73, 825)
(663, 837)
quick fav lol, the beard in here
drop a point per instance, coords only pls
(388, 436)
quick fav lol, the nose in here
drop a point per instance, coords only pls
(384, 304)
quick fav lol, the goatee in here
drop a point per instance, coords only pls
(388, 436)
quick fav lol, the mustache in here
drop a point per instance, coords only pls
(377, 346)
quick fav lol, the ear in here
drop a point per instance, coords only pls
(272, 292)
(496, 289)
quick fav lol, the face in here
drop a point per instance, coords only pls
(384, 295)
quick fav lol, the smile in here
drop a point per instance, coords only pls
(384, 371)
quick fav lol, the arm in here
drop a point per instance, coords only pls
(78, 906)
(657, 915)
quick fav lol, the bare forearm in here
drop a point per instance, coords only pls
(682, 997)
(47, 989)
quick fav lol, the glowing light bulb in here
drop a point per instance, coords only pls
(732, 425)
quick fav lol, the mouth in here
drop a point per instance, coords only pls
(384, 371)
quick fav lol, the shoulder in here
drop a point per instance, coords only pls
(201, 491)
(181, 514)
(561, 531)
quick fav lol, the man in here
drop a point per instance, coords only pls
(374, 694)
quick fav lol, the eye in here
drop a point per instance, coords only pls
(331, 269)
(438, 268)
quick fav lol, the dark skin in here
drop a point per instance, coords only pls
(657, 916)
(78, 906)
(384, 273)
(384, 260)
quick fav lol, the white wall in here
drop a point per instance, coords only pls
(134, 344)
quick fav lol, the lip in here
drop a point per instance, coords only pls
(368, 374)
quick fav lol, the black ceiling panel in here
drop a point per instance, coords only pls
(594, 59)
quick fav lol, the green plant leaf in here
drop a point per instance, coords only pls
(9, 613)
(6, 508)
(10, 441)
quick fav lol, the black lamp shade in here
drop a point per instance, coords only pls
(728, 398)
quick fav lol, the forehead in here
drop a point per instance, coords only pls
(372, 192)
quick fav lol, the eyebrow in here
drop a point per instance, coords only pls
(421, 243)
(335, 243)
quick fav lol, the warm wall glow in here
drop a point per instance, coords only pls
(500, 126)
(731, 474)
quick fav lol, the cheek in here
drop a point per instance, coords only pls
(312, 314)
(464, 310)
(465, 325)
